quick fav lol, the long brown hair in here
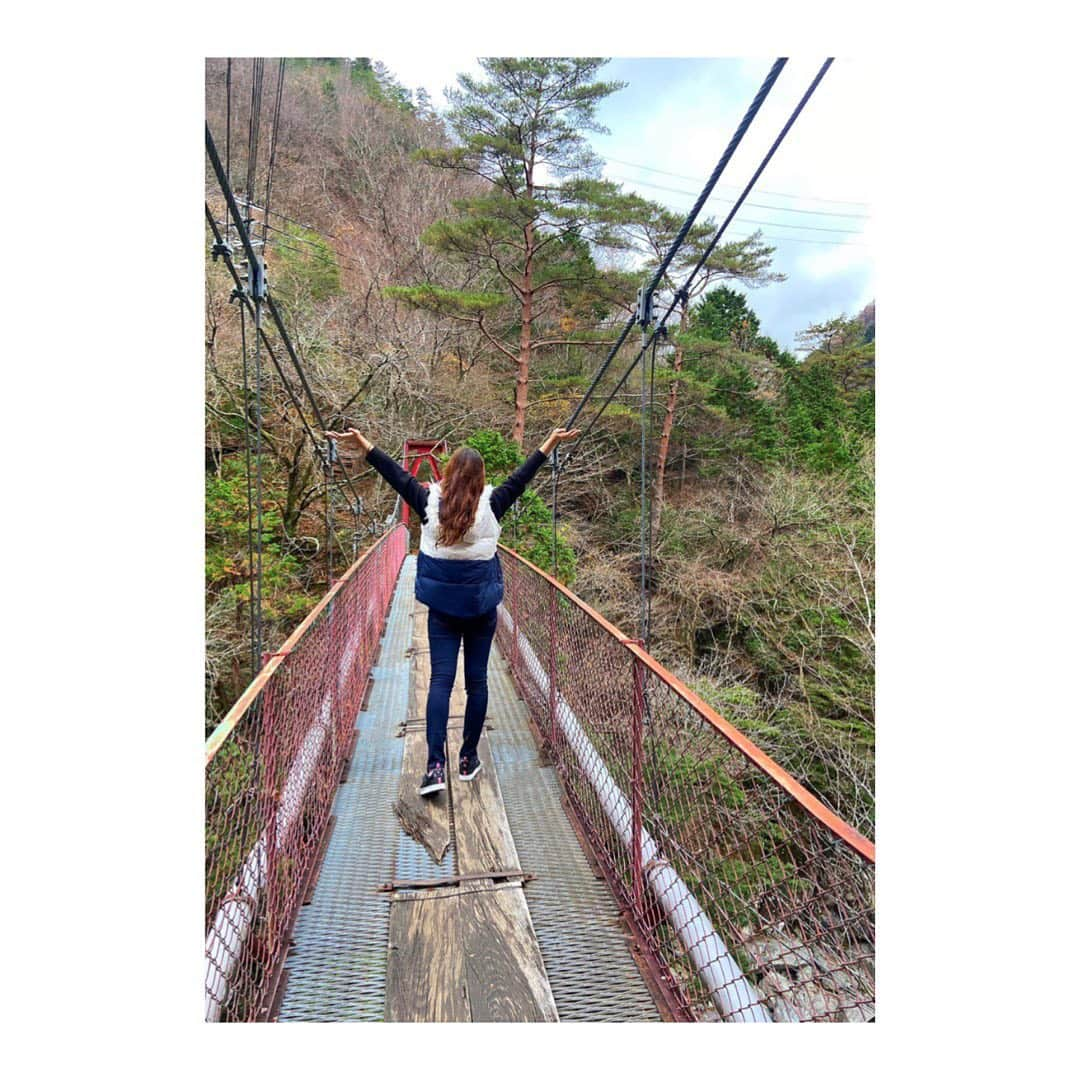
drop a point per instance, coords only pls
(462, 485)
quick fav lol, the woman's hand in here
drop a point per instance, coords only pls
(350, 440)
(559, 435)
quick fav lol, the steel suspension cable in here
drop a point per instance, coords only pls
(255, 579)
(273, 144)
(760, 169)
(317, 446)
(228, 129)
(747, 120)
(249, 250)
(253, 613)
(682, 294)
(646, 413)
(258, 474)
(330, 534)
(246, 302)
(255, 572)
(647, 511)
(706, 191)
(253, 131)
(647, 635)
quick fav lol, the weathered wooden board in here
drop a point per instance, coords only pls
(505, 971)
(425, 970)
(466, 953)
(481, 832)
(425, 818)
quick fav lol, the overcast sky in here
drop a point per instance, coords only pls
(813, 202)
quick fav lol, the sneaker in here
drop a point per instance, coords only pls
(468, 766)
(434, 780)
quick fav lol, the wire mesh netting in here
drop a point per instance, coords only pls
(755, 900)
(272, 770)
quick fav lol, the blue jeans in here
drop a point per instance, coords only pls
(445, 636)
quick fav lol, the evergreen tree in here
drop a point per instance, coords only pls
(724, 315)
(525, 236)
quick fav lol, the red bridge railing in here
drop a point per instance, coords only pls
(750, 898)
(272, 769)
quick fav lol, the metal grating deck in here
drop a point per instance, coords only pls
(336, 969)
(592, 974)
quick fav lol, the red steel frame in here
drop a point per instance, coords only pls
(413, 455)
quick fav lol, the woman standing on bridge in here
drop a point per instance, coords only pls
(459, 578)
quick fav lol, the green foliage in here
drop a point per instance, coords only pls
(230, 778)
(226, 557)
(371, 76)
(226, 506)
(699, 792)
(444, 301)
(501, 456)
(527, 528)
(304, 268)
(706, 775)
(724, 315)
(825, 409)
(362, 73)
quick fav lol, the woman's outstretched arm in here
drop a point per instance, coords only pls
(404, 483)
(509, 491)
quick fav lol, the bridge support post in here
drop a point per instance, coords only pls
(515, 641)
(637, 784)
(552, 662)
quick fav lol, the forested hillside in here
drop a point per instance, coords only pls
(463, 277)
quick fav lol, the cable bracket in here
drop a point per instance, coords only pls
(645, 313)
(255, 279)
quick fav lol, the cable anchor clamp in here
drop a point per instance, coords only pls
(645, 313)
(255, 278)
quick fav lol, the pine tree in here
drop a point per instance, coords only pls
(724, 315)
(526, 235)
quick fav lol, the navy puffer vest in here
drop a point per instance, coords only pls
(465, 579)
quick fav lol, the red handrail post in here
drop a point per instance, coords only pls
(552, 665)
(515, 650)
(637, 786)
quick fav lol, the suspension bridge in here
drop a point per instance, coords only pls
(626, 854)
(629, 855)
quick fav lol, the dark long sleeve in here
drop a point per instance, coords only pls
(404, 483)
(509, 491)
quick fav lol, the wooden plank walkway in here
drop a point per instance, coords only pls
(467, 951)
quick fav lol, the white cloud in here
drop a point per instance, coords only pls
(433, 71)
